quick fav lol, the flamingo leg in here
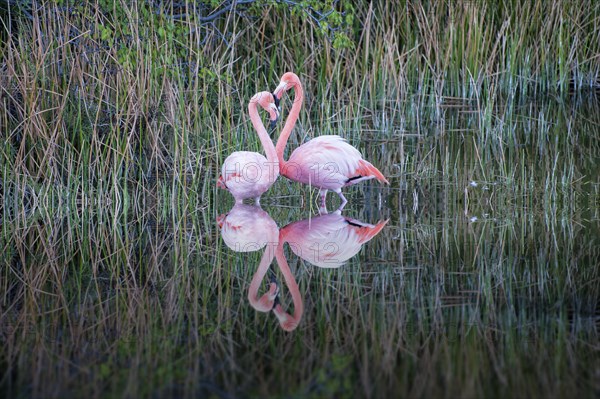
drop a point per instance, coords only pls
(344, 200)
(323, 210)
(323, 196)
(340, 208)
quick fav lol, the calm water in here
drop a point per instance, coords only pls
(476, 273)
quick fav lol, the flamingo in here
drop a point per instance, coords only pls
(326, 162)
(248, 174)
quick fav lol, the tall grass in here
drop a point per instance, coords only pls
(115, 121)
(101, 100)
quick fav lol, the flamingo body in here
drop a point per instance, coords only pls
(330, 163)
(248, 174)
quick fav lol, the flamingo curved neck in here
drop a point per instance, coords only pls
(265, 140)
(263, 268)
(290, 281)
(290, 122)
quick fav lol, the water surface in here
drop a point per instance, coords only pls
(474, 274)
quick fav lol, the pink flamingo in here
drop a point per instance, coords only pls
(326, 162)
(248, 174)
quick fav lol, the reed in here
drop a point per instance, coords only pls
(122, 93)
(115, 120)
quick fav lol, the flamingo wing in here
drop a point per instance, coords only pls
(365, 231)
(241, 164)
(330, 162)
(331, 150)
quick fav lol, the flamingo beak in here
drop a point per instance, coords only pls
(278, 92)
(221, 183)
(273, 121)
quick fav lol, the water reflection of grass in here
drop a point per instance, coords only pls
(485, 283)
(484, 308)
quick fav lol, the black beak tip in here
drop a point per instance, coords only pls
(272, 278)
(272, 124)
(276, 100)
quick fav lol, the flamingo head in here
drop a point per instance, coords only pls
(221, 183)
(267, 101)
(266, 303)
(286, 321)
(287, 81)
(221, 220)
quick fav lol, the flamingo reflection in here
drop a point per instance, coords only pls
(327, 241)
(330, 239)
(267, 301)
(247, 228)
